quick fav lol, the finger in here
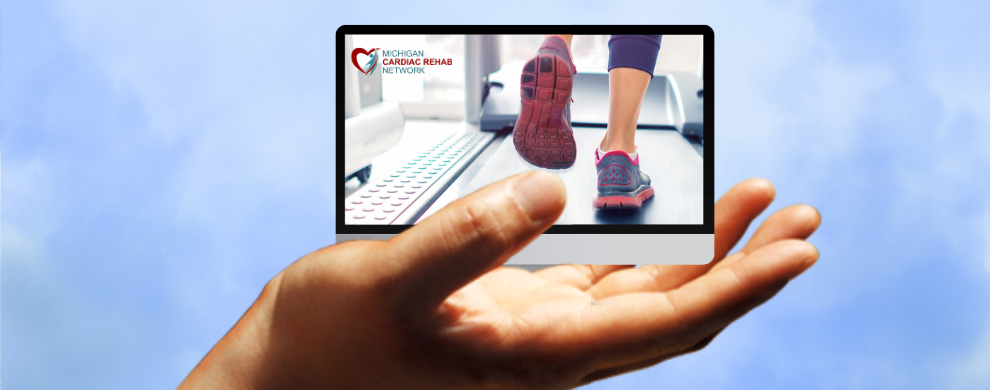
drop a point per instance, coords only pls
(634, 327)
(581, 276)
(473, 235)
(793, 222)
(737, 209)
(797, 221)
(733, 214)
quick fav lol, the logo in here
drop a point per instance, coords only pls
(396, 61)
(369, 67)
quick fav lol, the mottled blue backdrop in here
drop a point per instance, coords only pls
(161, 160)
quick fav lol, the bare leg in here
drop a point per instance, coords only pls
(626, 90)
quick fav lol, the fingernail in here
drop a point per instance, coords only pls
(540, 195)
(809, 261)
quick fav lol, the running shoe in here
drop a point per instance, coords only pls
(542, 133)
(621, 185)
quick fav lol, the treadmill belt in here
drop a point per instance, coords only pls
(671, 161)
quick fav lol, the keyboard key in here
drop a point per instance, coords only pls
(392, 191)
(376, 203)
(389, 210)
(348, 208)
(396, 203)
(368, 209)
(357, 201)
(384, 197)
(374, 190)
(359, 216)
(380, 217)
(403, 197)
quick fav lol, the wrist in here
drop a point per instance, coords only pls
(244, 358)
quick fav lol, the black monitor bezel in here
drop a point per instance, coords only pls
(708, 227)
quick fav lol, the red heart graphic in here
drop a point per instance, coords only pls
(354, 55)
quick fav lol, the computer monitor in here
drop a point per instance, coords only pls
(432, 114)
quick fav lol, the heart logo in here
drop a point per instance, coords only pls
(370, 66)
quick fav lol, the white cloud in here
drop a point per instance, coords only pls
(240, 96)
(226, 176)
(243, 95)
(972, 369)
(48, 324)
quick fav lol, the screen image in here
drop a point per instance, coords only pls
(430, 118)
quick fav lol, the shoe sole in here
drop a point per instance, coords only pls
(541, 134)
(623, 202)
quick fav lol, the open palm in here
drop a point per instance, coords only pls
(579, 323)
(432, 308)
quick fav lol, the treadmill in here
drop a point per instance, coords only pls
(440, 161)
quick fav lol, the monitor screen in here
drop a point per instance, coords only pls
(621, 114)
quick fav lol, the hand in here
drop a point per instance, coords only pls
(432, 308)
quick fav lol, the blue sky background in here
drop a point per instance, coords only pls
(162, 160)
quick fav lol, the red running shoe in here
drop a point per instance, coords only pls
(621, 184)
(542, 134)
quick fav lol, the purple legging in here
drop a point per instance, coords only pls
(633, 51)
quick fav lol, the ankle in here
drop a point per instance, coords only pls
(611, 146)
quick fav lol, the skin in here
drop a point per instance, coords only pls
(432, 308)
(626, 90)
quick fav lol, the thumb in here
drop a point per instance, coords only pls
(471, 236)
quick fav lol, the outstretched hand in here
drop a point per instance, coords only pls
(432, 308)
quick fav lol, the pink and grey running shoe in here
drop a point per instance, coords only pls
(621, 185)
(542, 133)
